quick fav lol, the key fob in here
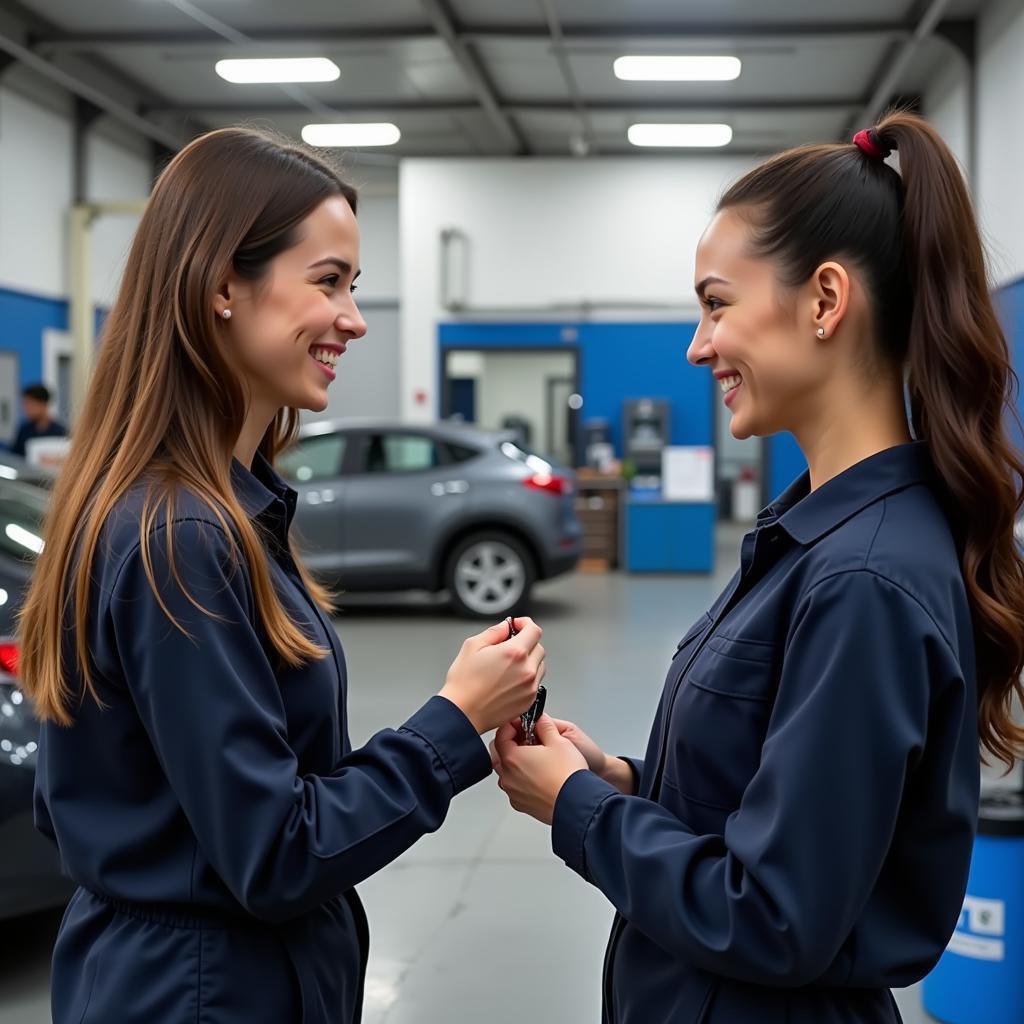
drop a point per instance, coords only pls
(528, 719)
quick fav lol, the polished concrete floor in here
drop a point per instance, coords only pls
(480, 922)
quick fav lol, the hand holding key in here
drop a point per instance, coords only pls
(495, 677)
(533, 776)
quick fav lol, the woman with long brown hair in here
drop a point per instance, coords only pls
(194, 762)
(796, 841)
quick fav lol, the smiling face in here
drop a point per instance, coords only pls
(755, 335)
(288, 330)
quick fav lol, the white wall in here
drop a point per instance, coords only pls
(367, 384)
(1000, 142)
(946, 104)
(999, 156)
(36, 141)
(36, 188)
(114, 172)
(368, 375)
(378, 256)
(35, 195)
(550, 231)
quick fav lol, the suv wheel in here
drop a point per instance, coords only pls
(489, 575)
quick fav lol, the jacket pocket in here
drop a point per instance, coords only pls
(720, 719)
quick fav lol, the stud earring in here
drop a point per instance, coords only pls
(821, 330)
(226, 314)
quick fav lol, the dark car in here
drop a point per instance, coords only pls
(14, 467)
(441, 507)
(30, 877)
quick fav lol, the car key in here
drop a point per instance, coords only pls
(528, 719)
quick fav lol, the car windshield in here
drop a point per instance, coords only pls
(21, 515)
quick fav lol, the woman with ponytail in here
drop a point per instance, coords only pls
(797, 840)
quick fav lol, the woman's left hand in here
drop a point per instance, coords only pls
(532, 777)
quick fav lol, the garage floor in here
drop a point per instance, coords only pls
(480, 922)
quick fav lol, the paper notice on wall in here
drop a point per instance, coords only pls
(688, 473)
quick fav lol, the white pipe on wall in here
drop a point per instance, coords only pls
(81, 312)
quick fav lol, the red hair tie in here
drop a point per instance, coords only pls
(868, 142)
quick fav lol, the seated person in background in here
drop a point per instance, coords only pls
(38, 421)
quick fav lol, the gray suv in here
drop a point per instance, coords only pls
(386, 506)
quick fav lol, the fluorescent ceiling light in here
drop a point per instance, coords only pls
(707, 135)
(278, 69)
(677, 69)
(327, 135)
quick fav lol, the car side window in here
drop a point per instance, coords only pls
(313, 458)
(456, 453)
(400, 453)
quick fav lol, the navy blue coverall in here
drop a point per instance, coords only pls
(213, 813)
(802, 830)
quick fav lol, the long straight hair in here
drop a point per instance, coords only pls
(913, 235)
(164, 405)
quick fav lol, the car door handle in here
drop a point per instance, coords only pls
(440, 489)
(324, 497)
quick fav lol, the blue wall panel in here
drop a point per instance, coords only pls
(621, 361)
(23, 318)
(617, 361)
(785, 463)
(1010, 302)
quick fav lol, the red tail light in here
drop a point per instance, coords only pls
(9, 658)
(547, 482)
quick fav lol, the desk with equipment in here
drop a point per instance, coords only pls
(653, 511)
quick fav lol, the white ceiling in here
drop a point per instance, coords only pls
(472, 77)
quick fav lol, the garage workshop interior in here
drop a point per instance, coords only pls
(511, 512)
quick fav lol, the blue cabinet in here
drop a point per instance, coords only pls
(669, 536)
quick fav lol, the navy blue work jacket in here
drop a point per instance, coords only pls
(213, 813)
(800, 838)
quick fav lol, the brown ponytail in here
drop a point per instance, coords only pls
(960, 384)
(913, 235)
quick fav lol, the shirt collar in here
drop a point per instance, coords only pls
(266, 498)
(808, 515)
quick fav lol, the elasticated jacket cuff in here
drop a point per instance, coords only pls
(577, 805)
(443, 725)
